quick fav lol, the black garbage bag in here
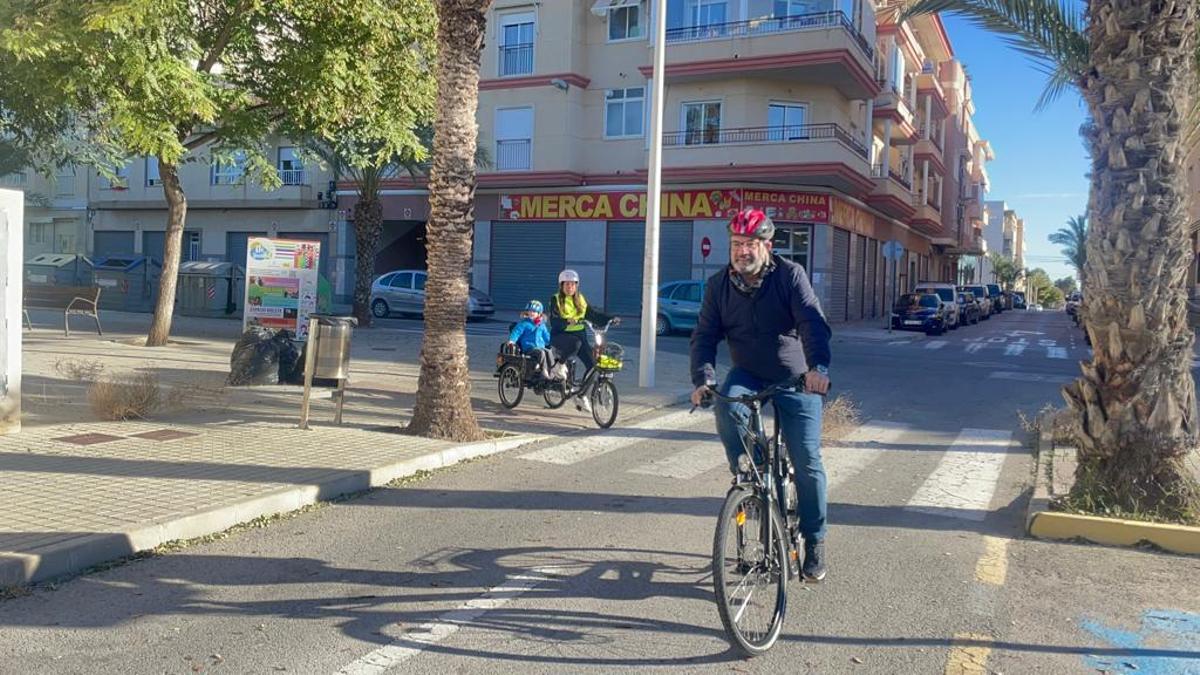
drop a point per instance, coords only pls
(291, 358)
(255, 359)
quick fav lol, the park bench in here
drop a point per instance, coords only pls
(83, 300)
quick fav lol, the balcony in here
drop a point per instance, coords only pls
(293, 177)
(516, 59)
(816, 154)
(928, 150)
(514, 155)
(831, 52)
(891, 194)
(892, 104)
(928, 85)
(927, 216)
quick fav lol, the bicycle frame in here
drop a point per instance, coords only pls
(768, 482)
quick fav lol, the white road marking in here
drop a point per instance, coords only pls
(1046, 343)
(1056, 352)
(418, 639)
(965, 479)
(1014, 349)
(577, 450)
(847, 456)
(1030, 377)
(702, 458)
(974, 347)
(936, 344)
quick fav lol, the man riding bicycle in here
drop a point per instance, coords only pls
(765, 308)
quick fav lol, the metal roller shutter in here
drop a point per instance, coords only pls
(840, 286)
(526, 260)
(871, 279)
(627, 253)
(107, 243)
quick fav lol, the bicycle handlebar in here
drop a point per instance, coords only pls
(748, 399)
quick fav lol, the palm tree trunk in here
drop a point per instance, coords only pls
(368, 226)
(1136, 403)
(443, 408)
(164, 308)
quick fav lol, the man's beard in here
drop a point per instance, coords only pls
(750, 268)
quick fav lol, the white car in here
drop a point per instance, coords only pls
(985, 300)
(947, 295)
(403, 292)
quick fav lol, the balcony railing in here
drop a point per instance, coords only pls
(293, 177)
(514, 155)
(516, 59)
(930, 201)
(794, 133)
(877, 172)
(768, 26)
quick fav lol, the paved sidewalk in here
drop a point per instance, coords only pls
(80, 491)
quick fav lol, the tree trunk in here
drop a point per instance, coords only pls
(1135, 406)
(164, 308)
(443, 408)
(368, 226)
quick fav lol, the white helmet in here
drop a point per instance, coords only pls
(568, 275)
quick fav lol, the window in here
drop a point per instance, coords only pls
(385, 280)
(786, 121)
(665, 293)
(40, 233)
(516, 44)
(896, 76)
(291, 168)
(64, 180)
(120, 179)
(514, 139)
(152, 177)
(230, 171)
(625, 23)
(702, 122)
(792, 243)
(623, 112)
(402, 281)
(419, 282)
(191, 246)
(687, 293)
(707, 12)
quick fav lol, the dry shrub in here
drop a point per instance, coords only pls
(86, 370)
(126, 397)
(1059, 422)
(840, 417)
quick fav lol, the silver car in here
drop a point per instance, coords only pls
(403, 292)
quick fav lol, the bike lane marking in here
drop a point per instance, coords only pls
(573, 451)
(418, 639)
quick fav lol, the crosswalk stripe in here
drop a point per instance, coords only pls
(687, 464)
(1030, 377)
(847, 456)
(573, 451)
(1014, 349)
(1056, 352)
(936, 344)
(974, 347)
(963, 483)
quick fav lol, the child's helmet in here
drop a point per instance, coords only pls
(534, 306)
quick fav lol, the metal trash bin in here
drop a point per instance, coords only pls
(327, 357)
(130, 282)
(207, 288)
(58, 269)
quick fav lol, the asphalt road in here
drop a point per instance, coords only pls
(591, 553)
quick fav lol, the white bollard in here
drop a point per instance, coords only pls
(12, 247)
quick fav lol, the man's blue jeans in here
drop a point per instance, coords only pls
(800, 422)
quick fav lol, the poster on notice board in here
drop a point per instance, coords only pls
(281, 284)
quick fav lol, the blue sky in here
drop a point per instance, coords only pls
(1040, 158)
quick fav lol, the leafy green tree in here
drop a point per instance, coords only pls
(1007, 272)
(97, 81)
(1066, 285)
(1073, 239)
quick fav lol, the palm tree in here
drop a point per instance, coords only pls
(968, 273)
(1073, 239)
(1134, 63)
(443, 408)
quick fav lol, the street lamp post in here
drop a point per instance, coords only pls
(654, 203)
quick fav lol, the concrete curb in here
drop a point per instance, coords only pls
(1042, 523)
(88, 550)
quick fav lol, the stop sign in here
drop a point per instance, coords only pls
(705, 247)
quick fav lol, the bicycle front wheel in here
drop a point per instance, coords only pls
(605, 403)
(750, 572)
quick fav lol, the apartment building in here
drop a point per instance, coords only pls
(846, 127)
(1004, 233)
(81, 212)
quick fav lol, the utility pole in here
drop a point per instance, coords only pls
(654, 202)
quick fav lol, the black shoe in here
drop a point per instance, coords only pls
(814, 560)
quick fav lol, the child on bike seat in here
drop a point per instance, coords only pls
(533, 336)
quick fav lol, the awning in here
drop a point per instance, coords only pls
(603, 7)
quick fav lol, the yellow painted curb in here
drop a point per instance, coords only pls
(1114, 532)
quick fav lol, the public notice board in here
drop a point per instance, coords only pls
(281, 284)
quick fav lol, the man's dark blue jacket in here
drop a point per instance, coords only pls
(776, 333)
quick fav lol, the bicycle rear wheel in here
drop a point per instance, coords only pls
(750, 575)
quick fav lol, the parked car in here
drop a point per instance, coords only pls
(403, 292)
(945, 292)
(678, 306)
(919, 311)
(999, 303)
(1073, 302)
(968, 309)
(985, 300)
(1018, 300)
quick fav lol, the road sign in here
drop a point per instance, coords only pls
(705, 247)
(893, 250)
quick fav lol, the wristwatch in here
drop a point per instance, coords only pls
(821, 369)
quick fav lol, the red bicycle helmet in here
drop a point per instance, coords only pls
(752, 222)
